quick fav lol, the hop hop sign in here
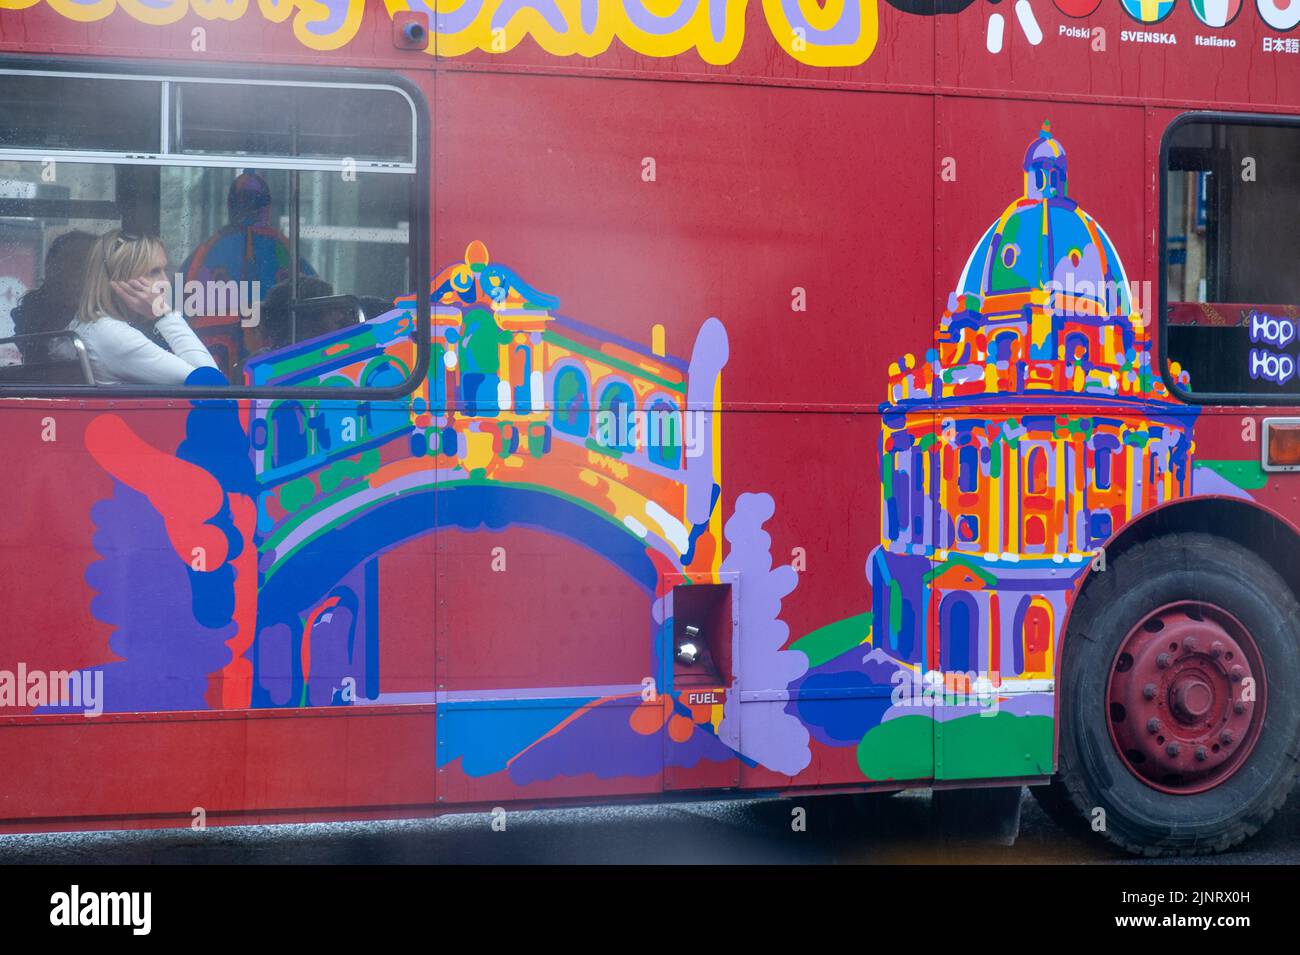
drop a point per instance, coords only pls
(1274, 360)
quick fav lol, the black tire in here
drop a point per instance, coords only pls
(1140, 818)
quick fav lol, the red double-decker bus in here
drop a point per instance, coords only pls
(541, 402)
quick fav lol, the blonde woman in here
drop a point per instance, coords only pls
(126, 282)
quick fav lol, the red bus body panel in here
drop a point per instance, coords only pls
(765, 240)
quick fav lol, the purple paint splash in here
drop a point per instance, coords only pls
(1209, 481)
(707, 360)
(763, 733)
(143, 589)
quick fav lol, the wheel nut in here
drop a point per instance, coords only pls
(1216, 649)
(1153, 725)
(1201, 754)
(1149, 691)
(1172, 749)
(1163, 661)
(1226, 737)
(1239, 707)
(1235, 674)
(1190, 644)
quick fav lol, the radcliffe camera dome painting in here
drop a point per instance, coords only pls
(989, 516)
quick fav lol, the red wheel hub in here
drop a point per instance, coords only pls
(1186, 697)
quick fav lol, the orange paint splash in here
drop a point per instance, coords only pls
(183, 493)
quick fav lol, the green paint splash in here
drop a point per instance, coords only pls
(828, 642)
(1247, 475)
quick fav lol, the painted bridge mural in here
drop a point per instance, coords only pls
(267, 522)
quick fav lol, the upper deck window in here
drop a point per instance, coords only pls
(152, 118)
(1231, 241)
(289, 214)
(41, 112)
(375, 125)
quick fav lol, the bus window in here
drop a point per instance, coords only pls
(220, 119)
(352, 238)
(50, 214)
(287, 213)
(1231, 240)
(82, 113)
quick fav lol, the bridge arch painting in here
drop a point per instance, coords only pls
(243, 569)
(263, 528)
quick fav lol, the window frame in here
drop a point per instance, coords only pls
(337, 77)
(1162, 277)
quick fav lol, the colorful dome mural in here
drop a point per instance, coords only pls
(1045, 237)
(1043, 304)
(989, 517)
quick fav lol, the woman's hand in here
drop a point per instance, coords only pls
(143, 299)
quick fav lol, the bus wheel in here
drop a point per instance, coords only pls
(1180, 697)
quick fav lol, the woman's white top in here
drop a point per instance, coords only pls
(122, 355)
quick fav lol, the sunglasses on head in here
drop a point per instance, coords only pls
(122, 236)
